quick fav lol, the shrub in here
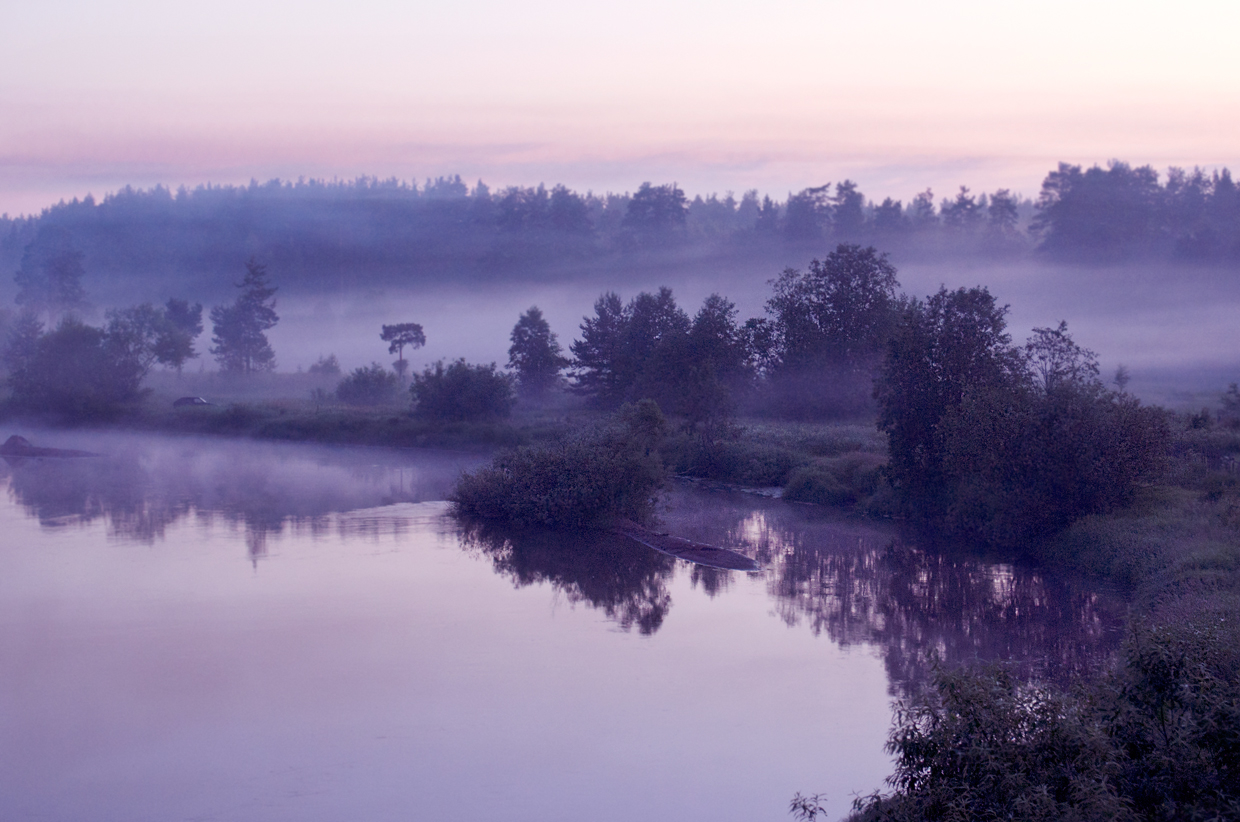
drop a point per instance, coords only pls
(845, 480)
(371, 385)
(1157, 739)
(76, 371)
(462, 391)
(982, 745)
(327, 366)
(591, 479)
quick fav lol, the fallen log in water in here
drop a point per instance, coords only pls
(698, 552)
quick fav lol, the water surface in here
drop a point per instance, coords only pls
(209, 629)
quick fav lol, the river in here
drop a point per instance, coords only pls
(205, 629)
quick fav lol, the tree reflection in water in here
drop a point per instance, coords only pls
(144, 485)
(859, 583)
(625, 580)
(854, 582)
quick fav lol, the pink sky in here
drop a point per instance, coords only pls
(718, 96)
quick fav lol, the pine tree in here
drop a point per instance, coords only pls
(241, 345)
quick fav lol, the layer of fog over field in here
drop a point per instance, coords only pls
(1141, 264)
(1173, 327)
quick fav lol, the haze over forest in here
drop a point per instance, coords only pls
(1140, 263)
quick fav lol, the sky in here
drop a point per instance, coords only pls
(722, 95)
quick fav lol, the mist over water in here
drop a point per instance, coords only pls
(206, 628)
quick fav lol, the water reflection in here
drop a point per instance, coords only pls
(860, 584)
(855, 583)
(625, 580)
(143, 485)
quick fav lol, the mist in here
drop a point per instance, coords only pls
(1140, 265)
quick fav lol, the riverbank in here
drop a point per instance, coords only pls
(1154, 735)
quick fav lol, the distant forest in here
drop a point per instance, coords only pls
(325, 235)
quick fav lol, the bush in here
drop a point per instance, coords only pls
(462, 391)
(590, 480)
(76, 371)
(844, 480)
(327, 366)
(372, 385)
(1158, 739)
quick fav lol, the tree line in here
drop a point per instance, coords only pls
(988, 440)
(391, 228)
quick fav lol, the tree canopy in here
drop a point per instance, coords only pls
(241, 346)
(535, 355)
(400, 335)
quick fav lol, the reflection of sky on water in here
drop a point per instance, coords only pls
(856, 583)
(373, 658)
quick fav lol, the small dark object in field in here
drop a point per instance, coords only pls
(18, 446)
(183, 401)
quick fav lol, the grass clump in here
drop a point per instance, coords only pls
(591, 479)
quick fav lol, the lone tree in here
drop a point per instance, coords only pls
(535, 355)
(398, 336)
(241, 347)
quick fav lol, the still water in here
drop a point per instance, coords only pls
(222, 630)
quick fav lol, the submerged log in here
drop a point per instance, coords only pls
(698, 552)
(18, 446)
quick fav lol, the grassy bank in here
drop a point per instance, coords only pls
(307, 421)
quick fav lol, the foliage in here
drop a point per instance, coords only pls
(75, 371)
(1229, 414)
(153, 334)
(1157, 739)
(241, 346)
(590, 479)
(369, 385)
(840, 481)
(50, 277)
(950, 346)
(387, 231)
(656, 213)
(999, 443)
(733, 459)
(983, 745)
(327, 366)
(398, 336)
(182, 323)
(535, 354)
(831, 323)
(650, 349)
(462, 391)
